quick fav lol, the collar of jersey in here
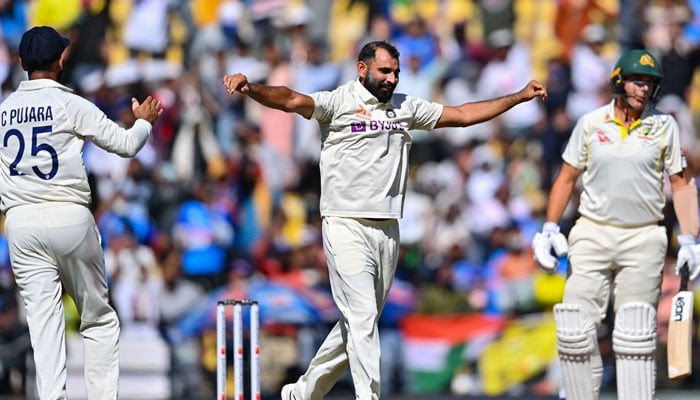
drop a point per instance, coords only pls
(610, 117)
(610, 112)
(36, 84)
(363, 93)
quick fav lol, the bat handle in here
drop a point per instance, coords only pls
(685, 277)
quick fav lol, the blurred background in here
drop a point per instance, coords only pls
(223, 200)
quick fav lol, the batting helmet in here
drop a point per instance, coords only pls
(635, 62)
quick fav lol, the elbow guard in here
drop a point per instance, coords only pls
(685, 204)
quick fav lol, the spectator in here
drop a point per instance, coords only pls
(178, 296)
(146, 28)
(204, 235)
(15, 345)
(573, 16)
(509, 68)
(414, 39)
(136, 285)
(679, 56)
(312, 73)
(88, 53)
(276, 127)
(590, 67)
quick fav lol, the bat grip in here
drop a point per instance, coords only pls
(685, 277)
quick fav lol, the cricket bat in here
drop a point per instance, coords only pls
(680, 330)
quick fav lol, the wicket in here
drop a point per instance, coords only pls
(221, 367)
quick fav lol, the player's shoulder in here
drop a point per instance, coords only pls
(653, 112)
(414, 105)
(596, 116)
(347, 87)
(658, 117)
(339, 92)
(54, 91)
(73, 100)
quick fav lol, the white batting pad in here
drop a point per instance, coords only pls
(581, 364)
(634, 343)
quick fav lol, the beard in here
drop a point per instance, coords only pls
(381, 90)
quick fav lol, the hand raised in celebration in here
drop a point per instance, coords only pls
(236, 83)
(534, 89)
(150, 109)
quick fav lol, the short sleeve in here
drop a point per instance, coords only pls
(575, 151)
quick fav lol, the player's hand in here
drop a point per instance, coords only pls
(534, 89)
(688, 253)
(150, 109)
(543, 243)
(236, 83)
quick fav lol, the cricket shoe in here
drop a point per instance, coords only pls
(290, 392)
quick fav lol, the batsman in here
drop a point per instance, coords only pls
(617, 247)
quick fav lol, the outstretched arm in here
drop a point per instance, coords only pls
(277, 97)
(481, 111)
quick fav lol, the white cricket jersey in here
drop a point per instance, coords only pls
(365, 145)
(623, 178)
(44, 126)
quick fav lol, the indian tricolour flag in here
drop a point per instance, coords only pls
(435, 346)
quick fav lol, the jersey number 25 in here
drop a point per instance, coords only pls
(36, 149)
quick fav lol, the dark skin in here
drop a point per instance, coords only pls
(149, 110)
(382, 75)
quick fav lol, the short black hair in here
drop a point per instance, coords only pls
(369, 50)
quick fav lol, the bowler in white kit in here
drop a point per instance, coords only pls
(364, 167)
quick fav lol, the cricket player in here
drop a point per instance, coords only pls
(364, 165)
(617, 247)
(53, 239)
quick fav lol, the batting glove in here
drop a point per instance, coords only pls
(689, 253)
(544, 242)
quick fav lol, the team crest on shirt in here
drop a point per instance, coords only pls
(646, 131)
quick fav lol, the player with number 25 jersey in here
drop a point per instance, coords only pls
(53, 239)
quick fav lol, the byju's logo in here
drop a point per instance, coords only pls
(360, 126)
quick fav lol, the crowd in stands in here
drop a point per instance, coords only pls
(225, 194)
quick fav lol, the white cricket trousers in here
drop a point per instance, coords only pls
(362, 255)
(57, 245)
(607, 260)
